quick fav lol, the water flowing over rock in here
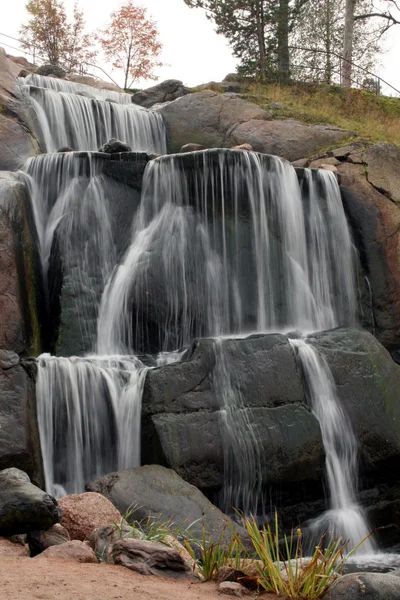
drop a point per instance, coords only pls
(86, 124)
(83, 204)
(89, 418)
(223, 244)
(345, 517)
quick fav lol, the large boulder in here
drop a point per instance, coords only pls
(19, 436)
(155, 492)
(207, 118)
(375, 220)
(23, 506)
(289, 139)
(20, 280)
(83, 513)
(182, 425)
(383, 168)
(17, 142)
(365, 586)
(166, 91)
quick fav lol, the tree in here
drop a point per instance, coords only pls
(258, 31)
(55, 40)
(388, 14)
(317, 43)
(131, 42)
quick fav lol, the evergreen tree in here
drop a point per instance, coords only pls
(257, 30)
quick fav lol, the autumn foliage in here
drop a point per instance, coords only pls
(130, 42)
(55, 39)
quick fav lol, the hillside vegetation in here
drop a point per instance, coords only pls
(372, 118)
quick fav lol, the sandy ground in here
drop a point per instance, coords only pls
(49, 579)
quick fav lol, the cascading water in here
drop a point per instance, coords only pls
(226, 240)
(345, 517)
(65, 118)
(89, 418)
(71, 87)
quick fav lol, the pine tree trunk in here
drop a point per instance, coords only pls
(348, 43)
(283, 41)
(260, 36)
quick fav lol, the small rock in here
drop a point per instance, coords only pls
(342, 152)
(328, 167)
(82, 513)
(102, 539)
(74, 551)
(150, 558)
(228, 574)
(365, 586)
(301, 163)
(231, 588)
(191, 148)
(115, 146)
(327, 160)
(247, 147)
(41, 540)
(12, 550)
(65, 149)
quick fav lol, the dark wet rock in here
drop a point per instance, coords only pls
(368, 385)
(65, 149)
(115, 146)
(19, 437)
(20, 279)
(23, 506)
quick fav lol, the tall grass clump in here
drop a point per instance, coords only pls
(284, 569)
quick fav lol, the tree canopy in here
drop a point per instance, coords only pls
(55, 39)
(130, 41)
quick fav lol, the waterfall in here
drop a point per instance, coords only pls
(223, 243)
(70, 87)
(89, 418)
(345, 517)
(65, 117)
(227, 242)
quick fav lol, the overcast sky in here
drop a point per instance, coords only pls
(192, 52)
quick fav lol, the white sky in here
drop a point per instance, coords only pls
(192, 52)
